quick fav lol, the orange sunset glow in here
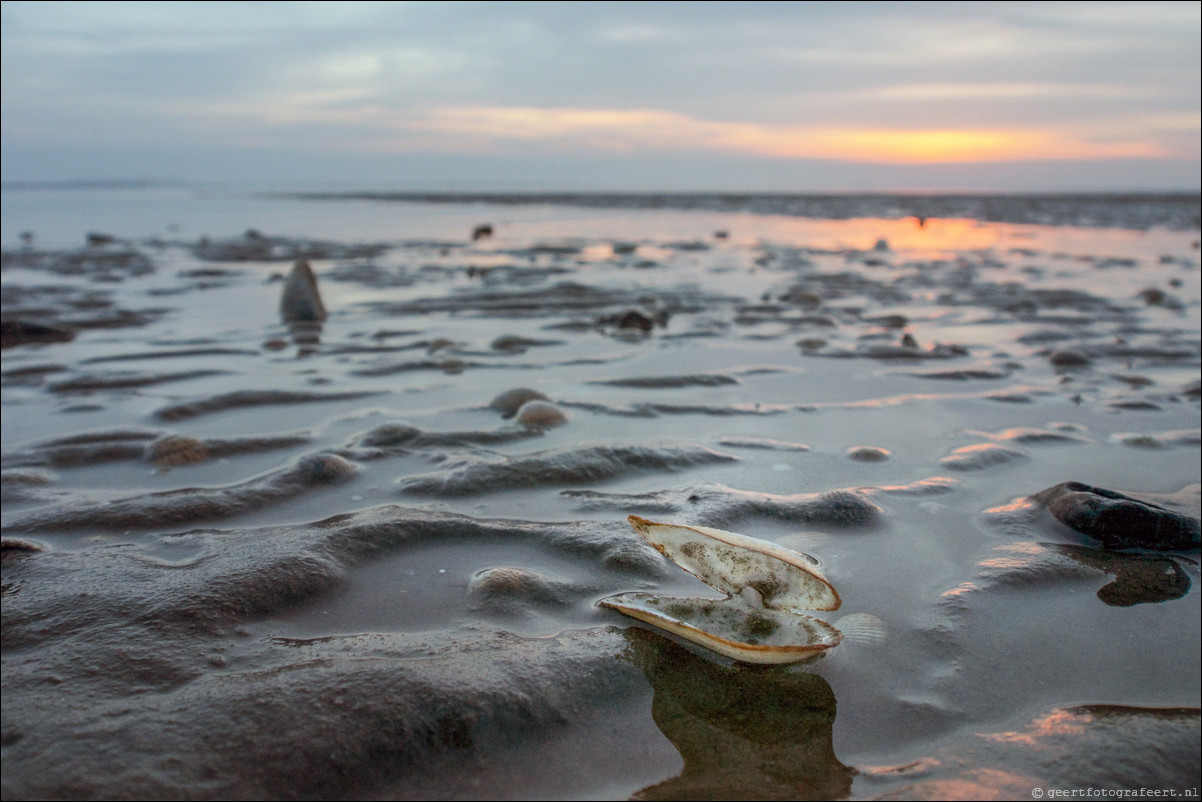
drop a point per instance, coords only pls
(943, 146)
(629, 130)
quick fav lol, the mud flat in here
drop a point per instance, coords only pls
(251, 553)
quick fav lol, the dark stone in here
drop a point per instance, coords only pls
(888, 321)
(20, 332)
(1068, 358)
(301, 302)
(635, 320)
(1120, 521)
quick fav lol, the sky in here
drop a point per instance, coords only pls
(494, 96)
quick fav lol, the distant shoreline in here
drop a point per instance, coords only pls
(1177, 211)
(34, 186)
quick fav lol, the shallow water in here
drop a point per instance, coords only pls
(882, 395)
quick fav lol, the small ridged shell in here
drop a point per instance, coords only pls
(862, 628)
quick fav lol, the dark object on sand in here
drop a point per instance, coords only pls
(96, 239)
(481, 231)
(1069, 358)
(1138, 578)
(20, 332)
(1119, 521)
(301, 302)
(15, 545)
(634, 320)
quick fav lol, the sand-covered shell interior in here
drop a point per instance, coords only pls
(767, 587)
(731, 627)
(730, 562)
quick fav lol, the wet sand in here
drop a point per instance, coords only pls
(258, 546)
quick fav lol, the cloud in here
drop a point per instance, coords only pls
(877, 83)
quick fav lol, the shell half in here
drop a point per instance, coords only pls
(767, 587)
(730, 562)
(731, 628)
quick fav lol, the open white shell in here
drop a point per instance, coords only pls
(767, 587)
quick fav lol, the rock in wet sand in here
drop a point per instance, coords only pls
(300, 301)
(508, 402)
(176, 449)
(979, 456)
(868, 454)
(512, 591)
(1069, 358)
(1121, 521)
(538, 414)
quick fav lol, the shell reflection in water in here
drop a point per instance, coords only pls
(743, 732)
(766, 588)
